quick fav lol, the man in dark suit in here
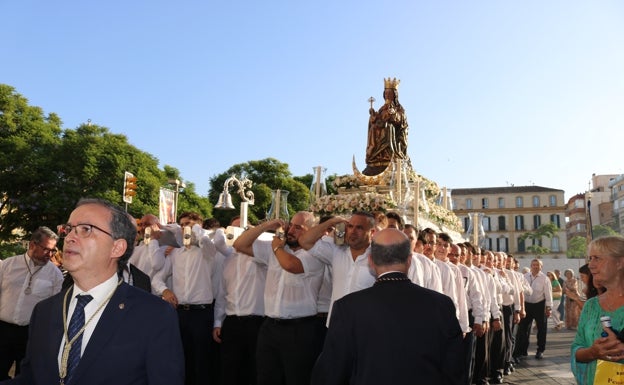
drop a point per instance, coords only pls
(101, 330)
(395, 332)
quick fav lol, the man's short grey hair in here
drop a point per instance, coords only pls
(122, 227)
(41, 233)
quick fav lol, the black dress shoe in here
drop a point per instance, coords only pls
(506, 372)
(539, 355)
(498, 379)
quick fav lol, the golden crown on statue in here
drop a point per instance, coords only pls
(392, 83)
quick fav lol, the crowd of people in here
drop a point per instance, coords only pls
(287, 303)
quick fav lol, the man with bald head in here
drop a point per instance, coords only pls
(395, 332)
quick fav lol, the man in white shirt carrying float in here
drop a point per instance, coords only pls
(287, 348)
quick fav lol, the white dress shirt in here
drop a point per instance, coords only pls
(101, 294)
(15, 305)
(523, 288)
(348, 275)
(503, 288)
(143, 258)
(241, 291)
(487, 297)
(431, 273)
(462, 306)
(526, 286)
(490, 282)
(193, 271)
(542, 288)
(415, 272)
(474, 294)
(516, 290)
(288, 295)
(325, 292)
(449, 287)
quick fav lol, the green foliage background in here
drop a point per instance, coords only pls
(45, 169)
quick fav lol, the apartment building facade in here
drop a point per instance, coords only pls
(617, 199)
(591, 208)
(578, 223)
(506, 213)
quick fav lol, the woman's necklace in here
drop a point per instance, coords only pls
(28, 290)
(68, 343)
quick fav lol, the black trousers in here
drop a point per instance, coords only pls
(469, 346)
(497, 348)
(321, 331)
(196, 330)
(534, 311)
(287, 351)
(482, 357)
(239, 337)
(508, 313)
(13, 339)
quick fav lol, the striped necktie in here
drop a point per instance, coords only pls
(75, 325)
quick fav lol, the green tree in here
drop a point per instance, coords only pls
(577, 247)
(97, 165)
(29, 143)
(330, 186)
(547, 230)
(267, 175)
(188, 199)
(45, 170)
(602, 231)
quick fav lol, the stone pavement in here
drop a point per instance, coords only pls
(554, 368)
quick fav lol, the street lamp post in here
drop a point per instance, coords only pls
(590, 227)
(247, 197)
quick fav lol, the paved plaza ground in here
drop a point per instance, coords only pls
(554, 368)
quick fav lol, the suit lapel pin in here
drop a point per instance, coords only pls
(122, 306)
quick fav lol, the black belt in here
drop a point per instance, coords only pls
(290, 321)
(194, 307)
(321, 315)
(244, 317)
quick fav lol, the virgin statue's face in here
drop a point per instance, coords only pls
(389, 95)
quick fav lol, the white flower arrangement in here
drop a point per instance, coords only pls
(346, 181)
(444, 217)
(348, 203)
(353, 200)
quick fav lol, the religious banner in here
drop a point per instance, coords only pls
(167, 209)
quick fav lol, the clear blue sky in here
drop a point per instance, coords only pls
(496, 92)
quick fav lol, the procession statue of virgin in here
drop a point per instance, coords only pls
(387, 131)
